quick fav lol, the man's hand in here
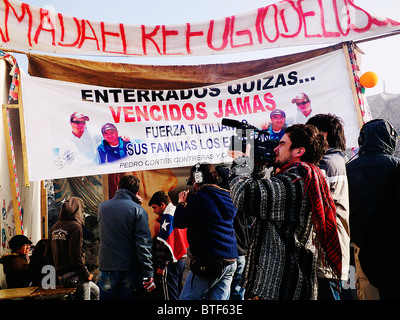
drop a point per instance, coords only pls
(149, 285)
(182, 196)
(237, 154)
(139, 198)
(160, 271)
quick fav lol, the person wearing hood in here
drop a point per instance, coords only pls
(367, 176)
(64, 251)
(382, 235)
(208, 215)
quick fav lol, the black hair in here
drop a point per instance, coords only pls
(130, 183)
(311, 139)
(333, 126)
(223, 172)
(208, 171)
(158, 198)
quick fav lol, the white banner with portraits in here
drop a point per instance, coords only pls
(76, 129)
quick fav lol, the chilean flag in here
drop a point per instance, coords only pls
(175, 239)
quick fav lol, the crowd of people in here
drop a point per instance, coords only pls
(245, 232)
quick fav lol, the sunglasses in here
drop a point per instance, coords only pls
(302, 103)
(78, 122)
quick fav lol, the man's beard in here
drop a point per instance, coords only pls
(279, 164)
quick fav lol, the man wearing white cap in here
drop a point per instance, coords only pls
(304, 109)
(81, 146)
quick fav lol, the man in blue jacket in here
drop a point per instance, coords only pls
(208, 216)
(277, 126)
(113, 147)
(125, 256)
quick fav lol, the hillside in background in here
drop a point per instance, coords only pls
(386, 106)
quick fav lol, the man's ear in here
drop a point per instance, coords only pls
(300, 151)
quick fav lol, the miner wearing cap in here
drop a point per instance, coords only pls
(277, 126)
(78, 124)
(304, 109)
(80, 147)
(84, 141)
(113, 147)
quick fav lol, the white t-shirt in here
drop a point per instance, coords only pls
(299, 117)
(80, 151)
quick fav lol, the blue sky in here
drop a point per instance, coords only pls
(381, 56)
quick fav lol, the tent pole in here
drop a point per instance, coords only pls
(105, 187)
(11, 172)
(23, 138)
(394, 33)
(43, 211)
(352, 84)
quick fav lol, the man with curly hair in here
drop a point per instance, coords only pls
(295, 218)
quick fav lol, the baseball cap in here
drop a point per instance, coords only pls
(300, 98)
(277, 111)
(78, 114)
(18, 241)
(108, 126)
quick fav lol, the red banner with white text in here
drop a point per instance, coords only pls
(286, 23)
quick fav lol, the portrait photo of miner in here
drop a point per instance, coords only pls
(113, 147)
(304, 110)
(277, 124)
(79, 146)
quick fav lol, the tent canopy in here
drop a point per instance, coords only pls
(120, 75)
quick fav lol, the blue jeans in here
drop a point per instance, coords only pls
(174, 278)
(237, 292)
(201, 288)
(120, 285)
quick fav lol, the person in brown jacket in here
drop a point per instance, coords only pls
(16, 264)
(64, 250)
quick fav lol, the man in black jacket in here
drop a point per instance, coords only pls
(367, 176)
(125, 256)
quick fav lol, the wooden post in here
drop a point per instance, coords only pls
(23, 138)
(352, 84)
(105, 187)
(43, 211)
(11, 172)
